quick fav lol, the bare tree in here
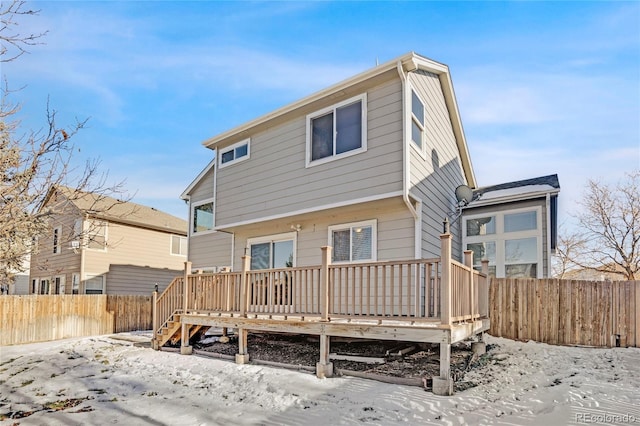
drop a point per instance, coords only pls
(569, 246)
(610, 228)
(32, 163)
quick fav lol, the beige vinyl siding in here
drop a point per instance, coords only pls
(275, 180)
(209, 250)
(138, 280)
(395, 228)
(434, 177)
(128, 243)
(541, 202)
(46, 264)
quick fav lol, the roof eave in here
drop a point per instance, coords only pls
(410, 62)
(511, 198)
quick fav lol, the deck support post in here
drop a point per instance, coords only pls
(468, 261)
(242, 357)
(324, 283)
(185, 349)
(324, 368)
(443, 385)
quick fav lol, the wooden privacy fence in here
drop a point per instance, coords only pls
(38, 318)
(566, 312)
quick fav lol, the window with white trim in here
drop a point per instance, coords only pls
(94, 284)
(337, 131)
(417, 120)
(273, 251)
(511, 241)
(57, 234)
(178, 245)
(354, 242)
(234, 153)
(202, 217)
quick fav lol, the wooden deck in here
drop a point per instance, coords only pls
(426, 300)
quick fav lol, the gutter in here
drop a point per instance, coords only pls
(405, 146)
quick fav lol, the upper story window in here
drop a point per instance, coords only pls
(417, 120)
(234, 153)
(202, 214)
(57, 233)
(337, 131)
(178, 245)
(353, 242)
(510, 240)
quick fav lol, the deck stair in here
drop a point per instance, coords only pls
(171, 331)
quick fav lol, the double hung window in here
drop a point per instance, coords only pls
(178, 245)
(337, 131)
(417, 120)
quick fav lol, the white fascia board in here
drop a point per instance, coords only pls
(310, 210)
(185, 193)
(511, 198)
(409, 61)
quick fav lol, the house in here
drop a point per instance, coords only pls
(368, 166)
(514, 225)
(328, 217)
(100, 245)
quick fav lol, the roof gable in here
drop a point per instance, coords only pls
(126, 212)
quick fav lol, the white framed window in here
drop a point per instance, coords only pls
(57, 236)
(417, 121)
(235, 153)
(202, 217)
(178, 245)
(354, 242)
(511, 240)
(75, 283)
(45, 286)
(94, 284)
(59, 284)
(337, 131)
(273, 251)
(97, 235)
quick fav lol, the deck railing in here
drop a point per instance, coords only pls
(438, 290)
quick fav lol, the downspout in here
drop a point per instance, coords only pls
(406, 168)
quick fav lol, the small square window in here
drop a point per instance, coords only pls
(202, 217)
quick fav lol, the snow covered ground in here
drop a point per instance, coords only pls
(106, 380)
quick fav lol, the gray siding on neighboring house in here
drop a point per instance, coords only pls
(540, 202)
(435, 175)
(138, 280)
(395, 230)
(275, 181)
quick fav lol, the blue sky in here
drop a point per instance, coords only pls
(542, 87)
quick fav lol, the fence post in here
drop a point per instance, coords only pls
(485, 295)
(468, 261)
(154, 319)
(445, 279)
(324, 283)
(185, 349)
(244, 283)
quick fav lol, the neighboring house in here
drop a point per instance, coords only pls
(514, 225)
(368, 166)
(99, 245)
